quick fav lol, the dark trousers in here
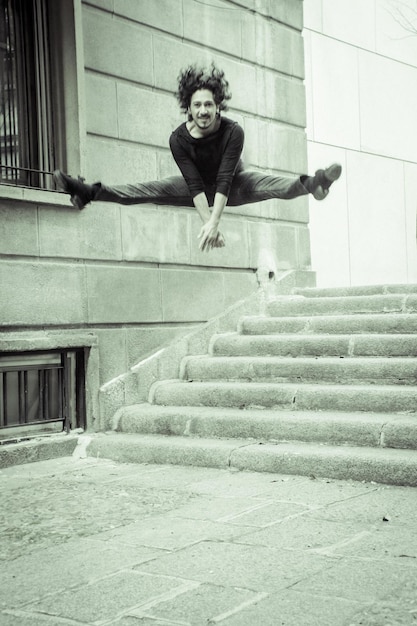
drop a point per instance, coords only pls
(247, 187)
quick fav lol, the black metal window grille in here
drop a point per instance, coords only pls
(26, 103)
(41, 388)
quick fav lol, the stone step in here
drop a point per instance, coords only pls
(358, 429)
(40, 448)
(235, 344)
(361, 290)
(302, 396)
(380, 465)
(339, 305)
(391, 323)
(359, 370)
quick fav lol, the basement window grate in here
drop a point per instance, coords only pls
(42, 391)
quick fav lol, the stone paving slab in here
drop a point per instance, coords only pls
(220, 508)
(308, 534)
(53, 570)
(106, 599)
(180, 532)
(195, 604)
(100, 543)
(398, 506)
(239, 565)
(359, 579)
(402, 545)
(53, 519)
(398, 608)
(292, 608)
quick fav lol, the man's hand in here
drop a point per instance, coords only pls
(220, 241)
(210, 237)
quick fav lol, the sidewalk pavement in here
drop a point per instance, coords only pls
(91, 541)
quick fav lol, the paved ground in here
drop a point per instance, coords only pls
(87, 541)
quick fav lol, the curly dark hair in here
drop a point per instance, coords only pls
(193, 78)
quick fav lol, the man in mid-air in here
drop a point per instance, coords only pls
(207, 149)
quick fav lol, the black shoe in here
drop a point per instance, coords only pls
(320, 183)
(81, 194)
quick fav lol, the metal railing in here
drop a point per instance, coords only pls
(26, 98)
(25, 177)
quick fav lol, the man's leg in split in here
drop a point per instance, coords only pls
(171, 191)
(319, 184)
(248, 186)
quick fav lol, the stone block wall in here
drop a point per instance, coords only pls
(133, 276)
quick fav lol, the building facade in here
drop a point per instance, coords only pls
(90, 89)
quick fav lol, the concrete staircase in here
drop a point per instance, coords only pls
(325, 384)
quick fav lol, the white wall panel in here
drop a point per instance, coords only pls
(410, 191)
(377, 226)
(313, 15)
(329, 223)
(361, 88)
(388, 106)
(334, 92)
(351, 21)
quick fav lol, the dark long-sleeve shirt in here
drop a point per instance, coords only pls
(210, 160)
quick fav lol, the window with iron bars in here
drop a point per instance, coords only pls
(42, 390)
(30, 101)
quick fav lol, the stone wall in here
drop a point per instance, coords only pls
(361, 83)
(133, 276)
